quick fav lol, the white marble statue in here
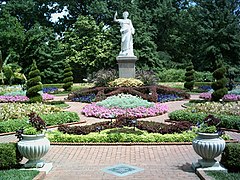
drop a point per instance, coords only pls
(127, 30)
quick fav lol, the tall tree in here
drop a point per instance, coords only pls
(87, 46)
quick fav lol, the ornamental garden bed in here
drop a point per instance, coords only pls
(150, 93)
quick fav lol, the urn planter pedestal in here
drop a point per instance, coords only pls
(208, 146)
(34, 147)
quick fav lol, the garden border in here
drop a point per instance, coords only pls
(48, 127)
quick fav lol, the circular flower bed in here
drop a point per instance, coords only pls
(127, 104)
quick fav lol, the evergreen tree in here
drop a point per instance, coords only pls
(34, 84)
(219, 86)
(189, 77)
(68, 79)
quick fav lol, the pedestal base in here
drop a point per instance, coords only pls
(126, 66)
(208, 165)
(46, 168)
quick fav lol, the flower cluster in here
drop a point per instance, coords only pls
(226, 97)
(50, 90)
(206, 95)
(10, 98)
(88, 98)
(20, 98)
(124, 101)
(168, 97)
(231, 97)
(138, 112)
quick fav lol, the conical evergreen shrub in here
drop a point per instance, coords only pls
(219, 86)
(189, 77)
(68, 79)
(34, 84)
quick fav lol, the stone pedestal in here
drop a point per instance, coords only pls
(126, 66)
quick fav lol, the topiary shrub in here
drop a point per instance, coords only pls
(219, 86)
(9, 156)
(34, 84)
(68, 79)
(189, 77)
(231, 157)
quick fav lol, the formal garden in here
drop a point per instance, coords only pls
(170, 51)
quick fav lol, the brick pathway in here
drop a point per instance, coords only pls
(86, 162)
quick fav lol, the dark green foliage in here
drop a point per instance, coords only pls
(146, 92)
(149, 126)
(231, 157)
(189, 77)
(227, 121)
(12, 125)
(68, 79)
(9, 156)
(103, 77)
(219, 86)
(34, 84)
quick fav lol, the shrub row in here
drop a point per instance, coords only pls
(9, 156)
(12, 125)
(149, 126)
(227, 121)
(105, 137)
(231, 157)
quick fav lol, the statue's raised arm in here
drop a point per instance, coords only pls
(127, 30)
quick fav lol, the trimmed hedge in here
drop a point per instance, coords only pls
(231, 157)
(9, 156)
(227, 121)
(12, 125)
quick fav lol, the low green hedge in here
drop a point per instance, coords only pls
(16, 174)
(9, 156)
(231, 157)
(50, 119)
(227, 121)
(104, 137)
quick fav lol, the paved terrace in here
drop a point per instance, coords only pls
(157, 162)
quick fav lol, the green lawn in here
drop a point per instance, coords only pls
(16, 174)
(218, 175)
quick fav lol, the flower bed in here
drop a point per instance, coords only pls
(226, 97)
(138, 112)
(21, 98)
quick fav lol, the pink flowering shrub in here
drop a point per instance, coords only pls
(206, 95)
(19, 98)
(16, 98)
(47, 96)
(231, 97)
(226, 97)
(138, 112)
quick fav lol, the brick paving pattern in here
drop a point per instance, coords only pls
(160, 162)
(86, 162)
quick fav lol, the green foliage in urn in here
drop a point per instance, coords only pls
(189, 77)
(34, 84)
(68, 79)
(219, 86)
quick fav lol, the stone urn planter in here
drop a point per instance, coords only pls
(33, 147)
(208, 146)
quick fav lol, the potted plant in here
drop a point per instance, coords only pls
(33, 144)
(208, 144)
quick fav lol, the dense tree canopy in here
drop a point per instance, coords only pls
(169, 34)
